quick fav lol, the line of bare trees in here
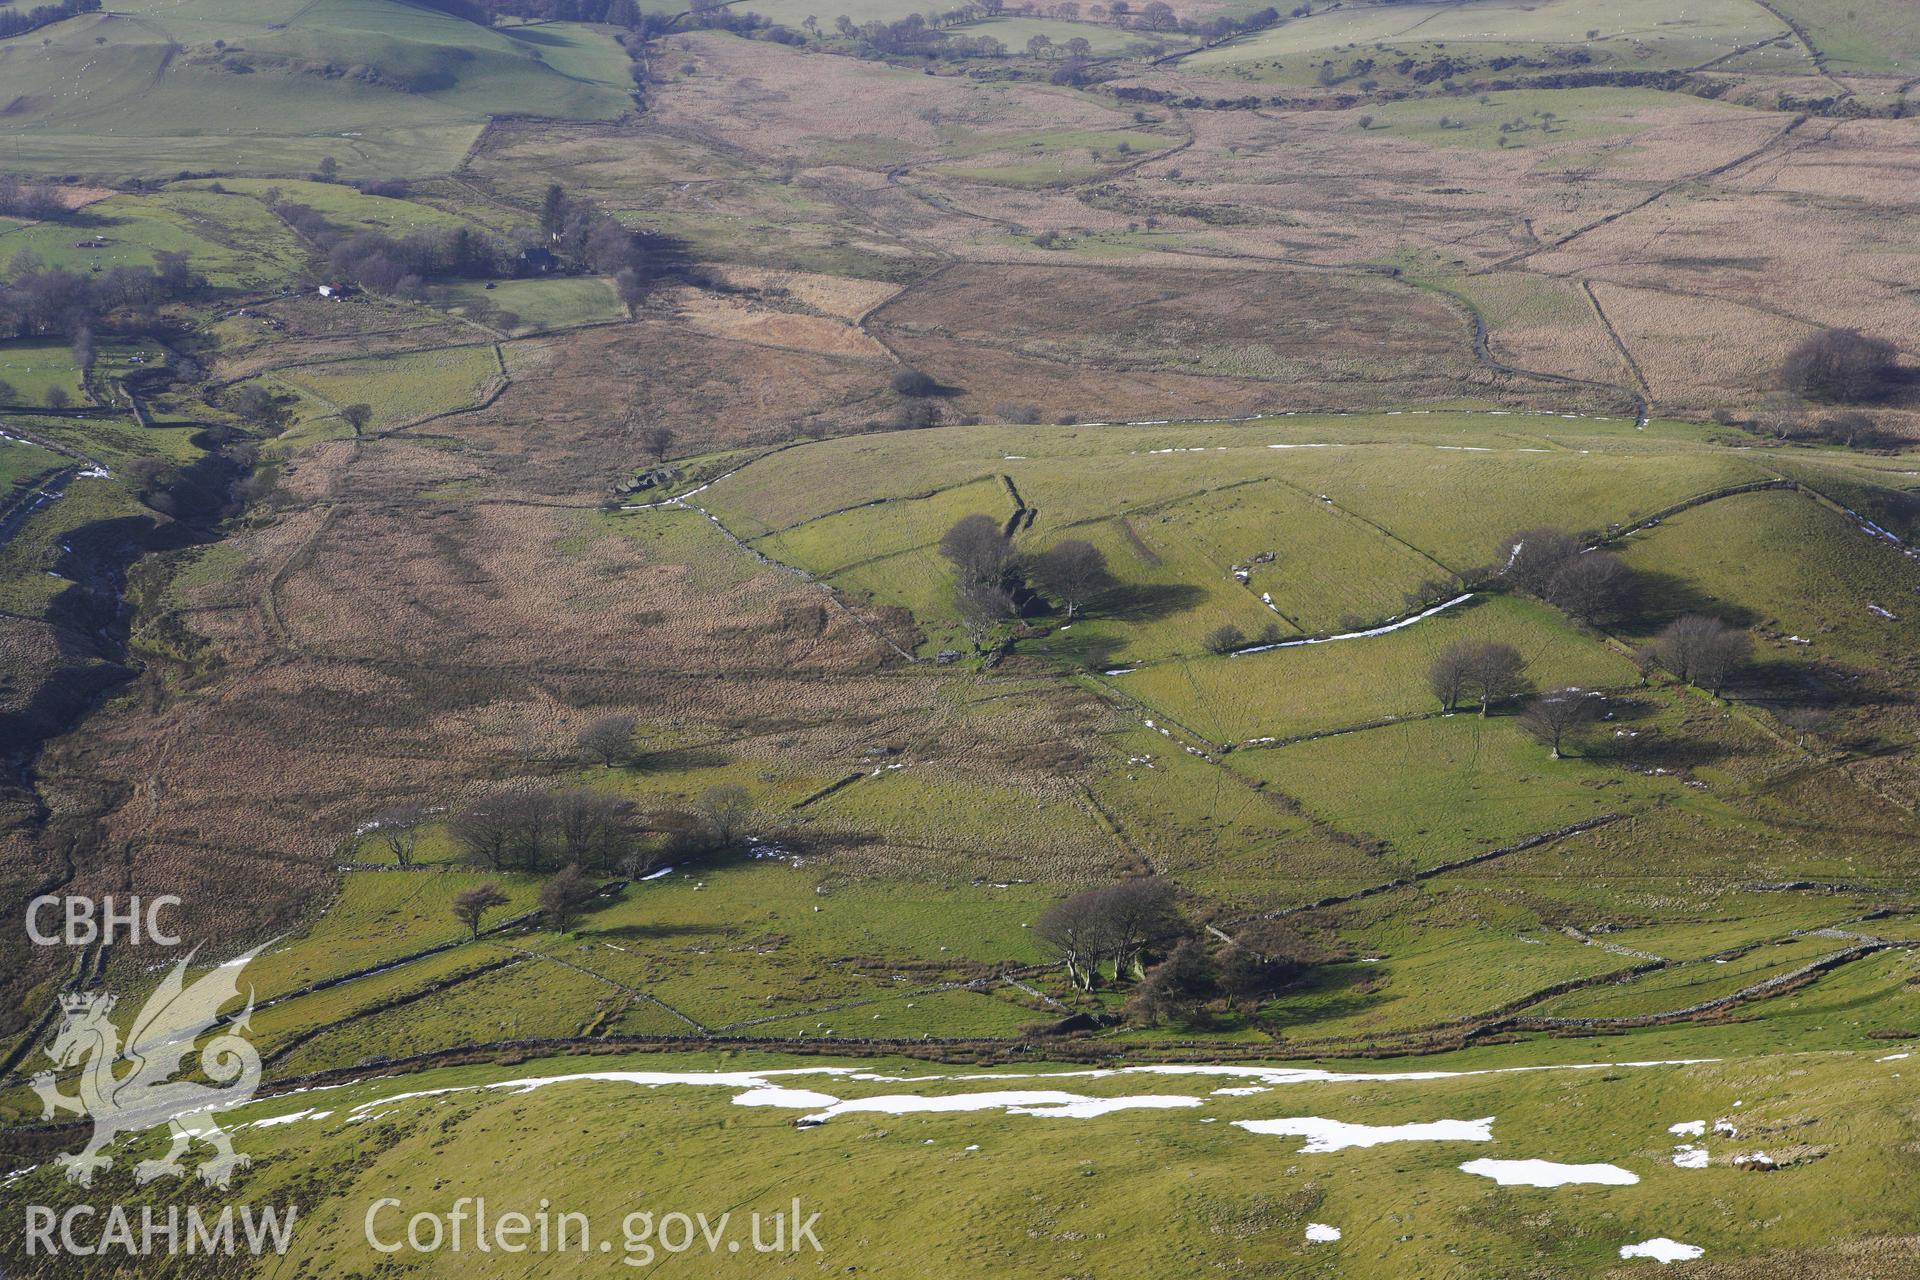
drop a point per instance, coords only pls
(540, 831)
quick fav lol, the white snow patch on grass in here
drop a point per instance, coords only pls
(1546, 1173)
(1019, 1102)
(1337, 1135)
(777, 1096)
(1661, 1250)
(1321, 1233)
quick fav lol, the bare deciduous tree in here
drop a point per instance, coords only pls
(1140, 913)
(1224, 639)
(1560, 714)
(658, 442)
(1495, 673)
(608, 740)
(1595, 587)
(594, 827)
(724, 812)
(399, 830)
(1447, 677)
(1115, 923)
(978, 549)
(470, 906)
(563, 896)
(1477, 671)
(1073, 571)
(1533, 556)
(484, 831)
(1075, 931)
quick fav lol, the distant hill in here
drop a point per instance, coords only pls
(389, 87)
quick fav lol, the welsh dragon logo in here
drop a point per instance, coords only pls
(130, 1088)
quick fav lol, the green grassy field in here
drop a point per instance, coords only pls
(146, 90)
(33, 368)
(543, 305)
(22, 462)
(1623, 33)
(400, 388)
(233, 241)
(1290, 691)
(1807, 576)
(1857, 37)
(1111, 1192)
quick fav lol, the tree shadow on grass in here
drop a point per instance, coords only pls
(1323, 992)
(661, 932)
(1663, 597)
(1149, 602)
(674, 759)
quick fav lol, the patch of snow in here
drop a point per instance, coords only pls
(1688, 1129)
(1321, 1233)
(1893, 1057)
(1547, 1173)
(1359, 635)
(1688, 1156)
(290, 1117)
(1661, 1250)
(1337, 1135)
(779, 1096)
(1022, 1102)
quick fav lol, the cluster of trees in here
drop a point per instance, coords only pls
(1703, 651)
(1556, 566)
(586, 237)
(991, 578)
(37, 300)
(542, 831)
(926, 35)
(1842, 366)
(572, 235)
(29, 199)
(1114, 926)
(1197, 978)
(1133, 934)
(17, 21)
(536, 831)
